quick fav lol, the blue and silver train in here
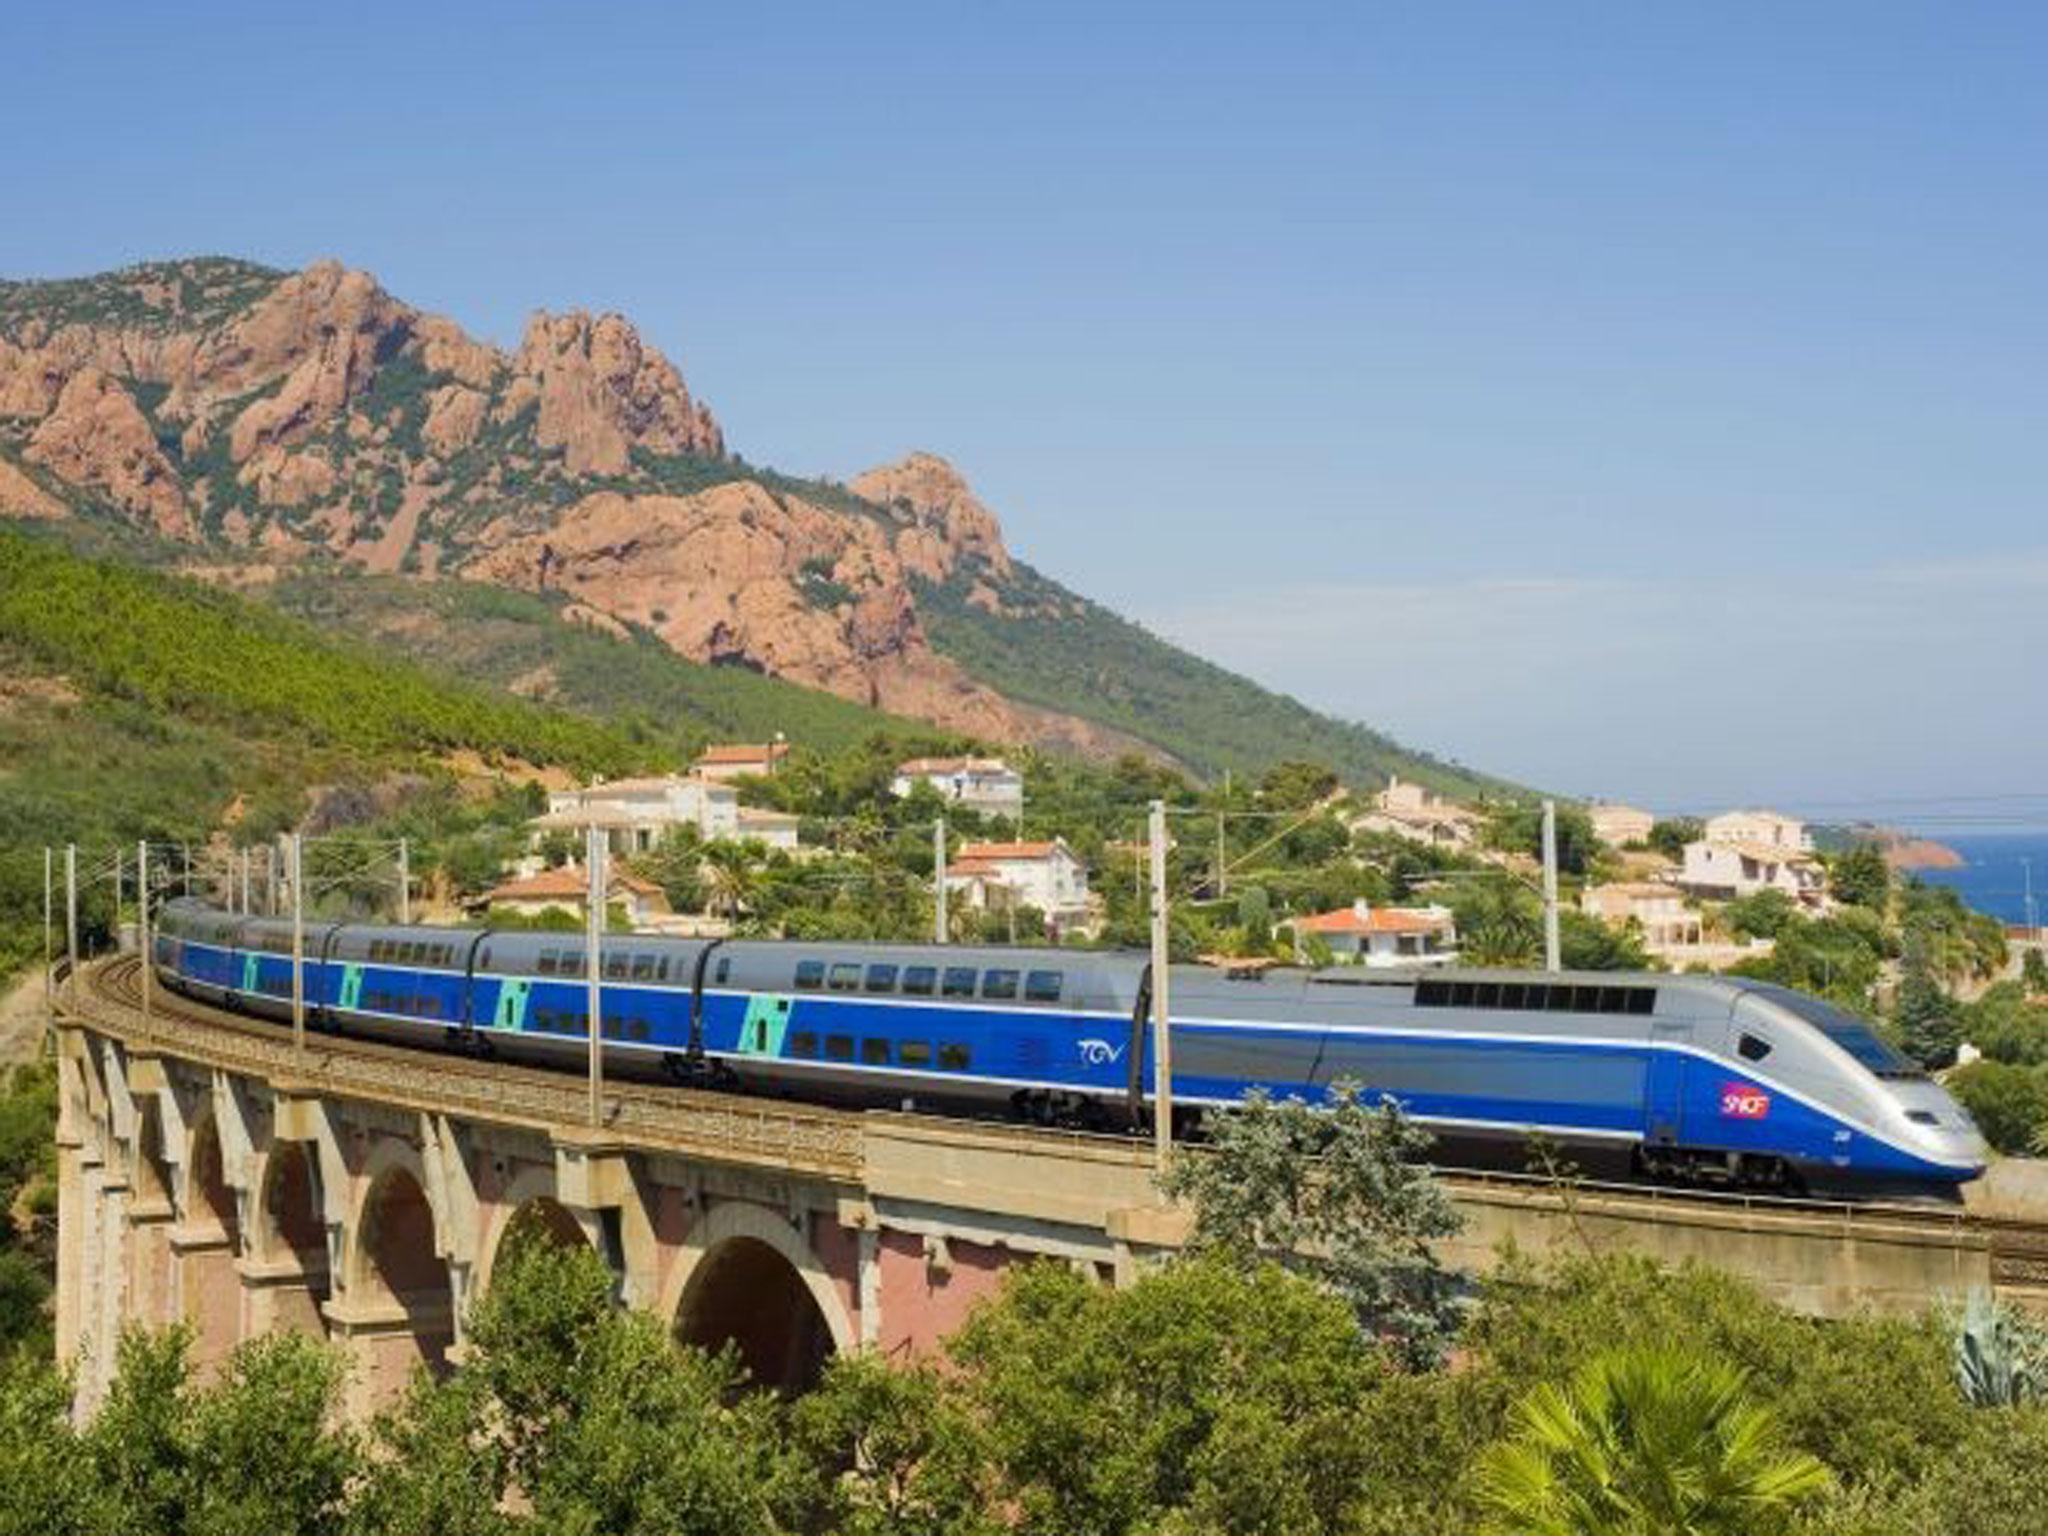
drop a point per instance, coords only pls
(1691, 1078)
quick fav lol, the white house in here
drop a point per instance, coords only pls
(1420, 816)
(1728, 870)
(1362, 934)
(1765, 828)
(737, 760)
(985, 784)
(637, 813)
(1660, 910)
(775, 828)
(1043, 875)
(567, 890)
(1618, 826)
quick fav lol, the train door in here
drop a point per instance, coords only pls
(1664, 1085)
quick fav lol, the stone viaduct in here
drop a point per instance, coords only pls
(211, 1173)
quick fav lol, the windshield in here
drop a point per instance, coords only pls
(1844, 1028)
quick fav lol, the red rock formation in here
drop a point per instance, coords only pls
(601, 392)
(940, 517)
(95, 437)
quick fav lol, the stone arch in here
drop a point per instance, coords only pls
(289, 1242)
(527, 1203)
(747, 1277)
(395, 1271)
(208, 1242)
(152, 1293)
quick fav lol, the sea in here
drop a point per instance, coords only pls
(1994, 877)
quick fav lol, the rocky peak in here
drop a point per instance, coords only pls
(602, 392)
(939, 518)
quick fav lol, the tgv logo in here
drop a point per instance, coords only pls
(1099, 1053)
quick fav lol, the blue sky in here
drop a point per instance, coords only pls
(1641, 400)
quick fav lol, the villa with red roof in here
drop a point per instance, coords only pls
(1044, 875)
(1362, 934)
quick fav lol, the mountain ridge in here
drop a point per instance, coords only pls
(312, 418)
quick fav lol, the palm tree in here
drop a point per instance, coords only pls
(730, 870)
(1645, 1442)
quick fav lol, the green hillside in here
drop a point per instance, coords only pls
(1069, 654)
(519, 641)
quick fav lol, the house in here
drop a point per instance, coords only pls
(775, 828)
(1730, 870)
(1420, 816)
(1766, 828)
(1659, 910)
(1362, 934)
(567, 891)
(739, 760)
(1619, 826)
(985, 784)
(1043, 875)
(637, 813)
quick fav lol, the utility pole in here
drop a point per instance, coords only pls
(49, 941)
(2033, 917)
(939, 924)
(142, 942)
(404, 881)
(1162, 1028)
(1553, 949)
(593, 858)
(71, 924)
(244, 862)
(297, 875)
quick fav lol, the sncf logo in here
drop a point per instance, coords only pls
(1739, 1101)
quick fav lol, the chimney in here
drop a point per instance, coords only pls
(1362, 908)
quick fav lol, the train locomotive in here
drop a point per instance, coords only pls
(1683, 1078)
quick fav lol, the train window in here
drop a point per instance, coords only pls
(376, 949)
(881, 978)
(483, 961)
(1044, 986)
(1923, 1117)
(641, 1030)
(1560, 999)
(545, 962)
(661, 969)
(998, 983)
(1461, 994)
(1614, 999)
(643, 967)
(839, 1047)
(874, 1052)
(1750, 1048)
(1510, 994)
(1485, 994)
(915, 1053)
(1641, 999)
(803, 1043)
(810, 975)
(845, 977)
(725, 969)
(959, 981)
(920, 980)
(1432, 994)
(955, 1057)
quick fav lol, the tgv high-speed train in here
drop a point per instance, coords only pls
(1689, 1077)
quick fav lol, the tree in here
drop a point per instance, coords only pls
(1641, 1441)
(2008, 1103)
(1764, 915)
(1498, 923)
(731, 873)
(1861, 877)
(2034, 973)
(1518, 828)
(1209, 1397)
(1588, 944)
(1670, 834)
(1929, 1029)
(1336, 1193)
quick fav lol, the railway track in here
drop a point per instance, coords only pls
(823, 1139)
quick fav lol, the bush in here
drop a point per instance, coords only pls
(2007, 1102)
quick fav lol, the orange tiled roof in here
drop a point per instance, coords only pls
(986, 851)
(569, 882)
(731, 753)
(1377, 920)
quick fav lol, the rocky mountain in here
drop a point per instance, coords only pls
(267, 418)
